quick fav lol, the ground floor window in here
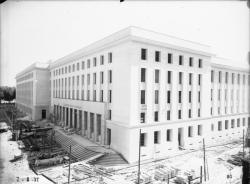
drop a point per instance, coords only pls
(156, 137)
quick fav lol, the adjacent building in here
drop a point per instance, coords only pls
(33, 91)
(169, 88)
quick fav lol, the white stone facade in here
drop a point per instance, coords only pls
(138, 79)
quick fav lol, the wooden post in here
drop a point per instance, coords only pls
(201, 175)
(69, 164)
(204, 159)
(139, 159)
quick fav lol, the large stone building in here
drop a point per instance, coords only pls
(33, 91)
(136, 79)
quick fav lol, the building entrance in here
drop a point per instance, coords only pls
(43, 114)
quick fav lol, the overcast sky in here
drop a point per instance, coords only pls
(36, 31)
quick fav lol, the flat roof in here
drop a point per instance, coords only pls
(32, 67)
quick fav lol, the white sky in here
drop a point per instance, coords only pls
(36, 31)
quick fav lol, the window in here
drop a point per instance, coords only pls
(82, 80)
(88, 79)
(189, 113)
(156, 96)
(94, 95)
(77, 80)
(189, 96)
(232, 78)
(212, 76)
(199, 79)
(110, 114)
(110, 76)
(169, 96)
(102, 60)
(219, 94)
(199, 96)
(243, 121)
(82, 94)
(157, 56)
(101, 96)
(190, 131)
(211, 94)
(232, 123)
(94, 78)
(212, 127)
(142, 96)
(190, 79)
(200, 63)
(180, 60)
(66, 69)
(179, 97)
(238, 122)
(226, 124)
(199, 129)
(226, 78)
(143, 74)
(199, 112)
(248, 80)
(168, 115)
(179, 114)
(238, 79)
(180, 77)
(190, 61)
(142, 117)
(94, 61)
(169, 58)
(83, 65)
(110, 96)
(157, 75)
(219, 125)
(101, 77)
(169, 135)
(156, 137)
(143, 54)
(169, 77)
(69, 68)
(244, 79)
(142, 139)
(156, 116)
(78, 66)
(110, 57)
(219, 76)
(88, 63)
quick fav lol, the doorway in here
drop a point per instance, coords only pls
(43, 114)
(180, 138)
(108, 136)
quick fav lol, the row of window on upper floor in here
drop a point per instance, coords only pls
(76, 66)
(157, 58)
(227, 77)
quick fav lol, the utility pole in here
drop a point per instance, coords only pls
(201, 174)
(204, 159)
(69, 164)
(139, 160)
(243, 143)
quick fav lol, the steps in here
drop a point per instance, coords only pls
(112, 159)
(77, 151)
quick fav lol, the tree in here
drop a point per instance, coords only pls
(7, 93)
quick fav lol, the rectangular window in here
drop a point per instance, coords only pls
(82, 80)
(82, 94)
(243, 121)
(219, 125)
(157, 76)
(110, 114)
(179, 100)
(199, 79)
(226, 78)
(199, 112)
(142, 96)
(156, 96)
(238, 79)
(190, 61)
(168, 115)
(180, 60)
(199, 96)
(142, 139)
(190, 131)
(88, 63)
(156, 137)
(238, 122)
(94, 61)
(179, 114)
(88, 79)
(94, 95)
(110, 76)
(169, 96)
(190, 79)
(232, 123)
(169, 58)
(189, 96)
(226, 124)
(248, 80)
(77, 80)
(101, 77)
(110, 57)
(156, 116)
(212, 127)
(180, 77)
(101, 96)
(102, 60)
(157, 56)
(200, 63)
(88, 95)
(244, 79)
(219, 76)
(212, 76)
(169, 135)
(232, 78)
(83, 65)
(78, 66)
(94, 78)
(110, 96)
(143, 74)
(189, 113)
(169, 77)
(142, 117)
(211, 94)
(143, 54)
(199, 129)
